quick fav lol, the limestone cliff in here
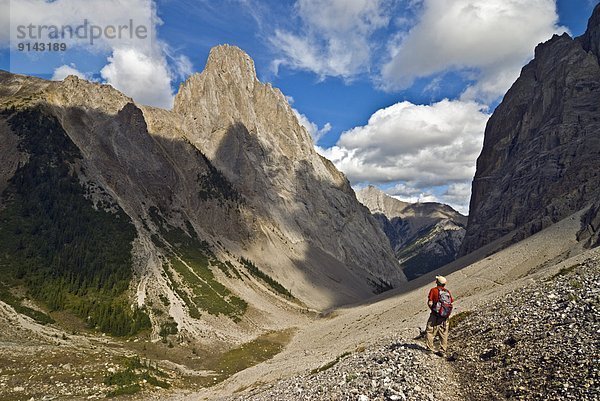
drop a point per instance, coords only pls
(540, 161)
(237, 221)
(249, 132)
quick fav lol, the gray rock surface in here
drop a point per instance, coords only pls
(539, 342)
(249, 132)
(230, 163)
(590, 227)
(394, 369)
(424, 236)
(540, 161)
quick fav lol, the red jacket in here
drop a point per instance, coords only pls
(434, 295)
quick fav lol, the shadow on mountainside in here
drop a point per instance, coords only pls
(312, 220)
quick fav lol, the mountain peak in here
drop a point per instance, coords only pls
(378, 201)
(232, 60)
(590, 40)
(249, 132)
(424, 236)
(228, 69)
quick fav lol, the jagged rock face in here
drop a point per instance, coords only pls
(424, 236)
(262, 194)
(248, 130)
(540, 161)
(121, 166)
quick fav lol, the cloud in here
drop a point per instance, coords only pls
(489, 38)
(458, 196)
(334, 38)
(312, 128)
(419, 198)
(421, 148)
(146, 75)
(180, 65)
(428, 144)
(65, 70)
(140, 65)
(73, 14)
(145, 79)
(407, 193)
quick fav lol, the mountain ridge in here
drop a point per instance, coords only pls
(424, 235)
(222, 229)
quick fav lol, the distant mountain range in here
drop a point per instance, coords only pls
(424, 235)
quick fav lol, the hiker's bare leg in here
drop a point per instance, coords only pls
(431, 331)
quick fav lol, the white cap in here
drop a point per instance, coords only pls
(440, 279)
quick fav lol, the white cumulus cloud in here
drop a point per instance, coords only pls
(144, 78)
(490, 38)
(65, 70)
(421, 147)
(407, 193)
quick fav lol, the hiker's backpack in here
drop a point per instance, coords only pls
(443, 307)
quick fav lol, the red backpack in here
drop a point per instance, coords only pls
(443, 307)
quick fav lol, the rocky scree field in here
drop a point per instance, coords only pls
(538, 342)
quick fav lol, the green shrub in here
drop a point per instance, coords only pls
(128, 380)
(125, 390)
(192, 259)
(168, 328)
(121, 378)
(256, 272)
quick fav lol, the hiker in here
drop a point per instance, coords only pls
(440, 303)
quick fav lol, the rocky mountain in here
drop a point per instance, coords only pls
(248, 131)
(424, 235)
(206, 239)
(215, 220)
(540, 161)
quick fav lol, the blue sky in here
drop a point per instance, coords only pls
(395, 92)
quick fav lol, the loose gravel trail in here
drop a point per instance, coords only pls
(540, 341)
(395, 369)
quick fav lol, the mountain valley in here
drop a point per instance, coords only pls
(209, 252)
(424, 236)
